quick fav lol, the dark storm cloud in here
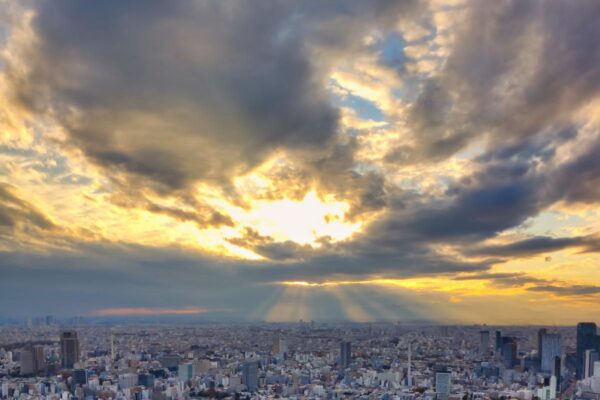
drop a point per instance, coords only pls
(516, 68)
(16, 212)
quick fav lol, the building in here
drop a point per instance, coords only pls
(442, 384)
(80, 376)
(557, 372)
(279, 346)
(69, 349)
(590, 358)
(587, 338)
(550, 345)
(250, 375)
(127, 381)
(509, 351)
(170, 361)
(146, 380)
(39, 359)
(498, 340)
(185, 371)
(540, 334)
(484, 343)
(27, 362)
(345, 354)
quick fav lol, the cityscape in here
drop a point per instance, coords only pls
(299, 199)
(301, 360)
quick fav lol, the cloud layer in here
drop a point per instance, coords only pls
(150, 142)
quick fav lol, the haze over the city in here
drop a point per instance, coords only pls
(301, 160)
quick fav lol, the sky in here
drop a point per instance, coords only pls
(319, 160)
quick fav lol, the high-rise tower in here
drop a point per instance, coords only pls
(69, 349)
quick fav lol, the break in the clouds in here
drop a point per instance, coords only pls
(408, 159)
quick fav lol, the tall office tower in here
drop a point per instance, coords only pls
(509, 351)
(557, 372)
(550, 344)
(69, 349)
(541, 333)
(586, 339)
(498, 340)
(484, 343)
(345, 354)
(442, 384)
(185, 371)
(39, 358)
(250, 375)
(27, 362)
(590, 357)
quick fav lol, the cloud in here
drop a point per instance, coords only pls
(171, 105)
(568, 290)
(128, 311)
(16, 212)
(502, 279)
(515, 68)
(536, 245)
(179, 93)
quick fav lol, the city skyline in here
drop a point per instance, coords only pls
(414, 160)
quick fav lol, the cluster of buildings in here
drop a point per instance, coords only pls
(299, 361)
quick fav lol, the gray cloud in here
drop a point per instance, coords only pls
(16, 212)
(502, 279)
(177, 93)
(535, 246)
(517, 68)
(568, 290)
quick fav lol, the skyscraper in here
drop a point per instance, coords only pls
(590, 357)
(550, 345)
(586, 339)
(509, 351)
(39, 358)
(185, 371)
(557, 372)
(250, 375)
(345, 354)
(541, 333)
(484, 343)
(69, 349)
(27, 362)
(498, 340)
(442, 384)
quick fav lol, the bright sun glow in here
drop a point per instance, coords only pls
(303, 222)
